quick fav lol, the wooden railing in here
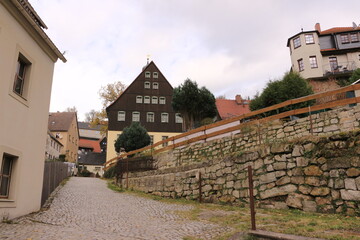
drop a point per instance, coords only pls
(234, 124)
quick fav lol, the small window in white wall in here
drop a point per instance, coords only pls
(150, 117)
(147, 74)
(121, 116)
(162, 100)
(155, 75)
(164, 117)
(139, 99)
(147, 99)
(309, 39)
(297, 42)
(155, 85)
(178, 118)
(147, 85)
(136, 117)
(154, 100)
(151, 139)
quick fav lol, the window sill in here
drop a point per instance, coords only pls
(19, 98)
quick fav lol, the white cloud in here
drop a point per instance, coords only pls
(231, 47)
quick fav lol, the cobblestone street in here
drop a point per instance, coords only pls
(86, 209)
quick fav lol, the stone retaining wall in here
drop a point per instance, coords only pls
(312, 173)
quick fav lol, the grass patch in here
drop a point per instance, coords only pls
(114, 187)
(326, 226)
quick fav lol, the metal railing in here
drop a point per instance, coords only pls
(339, 68)
(233, 125)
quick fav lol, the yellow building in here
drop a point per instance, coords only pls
(147, 100)
(64, 126)
(27, 63)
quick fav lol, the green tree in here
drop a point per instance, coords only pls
(291, 86)
(354, 76)
(132, 138)
(193, 103)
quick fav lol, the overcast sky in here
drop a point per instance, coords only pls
(230, 47)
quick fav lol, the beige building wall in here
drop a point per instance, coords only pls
(113, 135)
(53, 148)
(304, 52)
(96, 169)
(70, 141)
(23, 121)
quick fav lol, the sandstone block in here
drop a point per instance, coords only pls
(291, 165)
(267, 178)
(334, 173)
(280, 158)
(278, 191)
(320, 191)
(282, 181)
(335, 194)
(302, 162)
(281, 148)
(309, 206)
(230, 184)
(258, 164)
(279, 165)
(269, 168)
(280, 173)
(350, 184)
(313, 171)
(297, 151)
(313, 181)
(280, 205)
(293, 200)
(353, 172)
(236, 194)
(339, 183)
(322, 201)
(350, 195)
(297, 171)
(297, 180)
(357, 181)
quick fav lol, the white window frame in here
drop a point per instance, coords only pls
(139, 99)
(313, 62)
(164, 117)
(154, 100)
(164, 138)
(155, 75)
(155, 85)
(8, 175)
(146, 99)
(309, 39)
(162, 100)
(147, 85)
(150, 117)
(121, 116)
(297, 42)
(178, 118)
(136, 116)
(301, 64)
(147, 74)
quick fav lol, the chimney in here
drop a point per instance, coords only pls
(238, 99)
(317, 27)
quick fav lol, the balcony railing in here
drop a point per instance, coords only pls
(338, 68)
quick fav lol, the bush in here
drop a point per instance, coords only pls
(132, 138)
(85, 173)
(110, 173)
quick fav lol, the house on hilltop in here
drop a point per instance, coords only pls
(228, 108)
(325, 56)
(64, 126)
(90, 138)
(27, 60)
(147, 100)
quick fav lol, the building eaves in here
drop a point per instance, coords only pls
(35, 21)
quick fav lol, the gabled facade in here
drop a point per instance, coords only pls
(90, 138)
(329, 55)
(147, 100)
(26, 68)
(64, 126)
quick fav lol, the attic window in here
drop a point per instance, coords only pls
(162, 100)
(147, 85)
(155, 75)
(147, 99)
(155, 85)
(147, 74)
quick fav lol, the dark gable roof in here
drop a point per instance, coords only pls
(92, 158)
(60, 121)
(143, 70)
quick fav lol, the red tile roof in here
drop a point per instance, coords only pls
(91, 144)
(337, 30)
(229, 108)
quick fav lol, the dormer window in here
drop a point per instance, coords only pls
(155, 85)
(147, 85)
(297, 42)
(155, 75)
(147, 74)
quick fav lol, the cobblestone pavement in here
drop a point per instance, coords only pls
(86, 209)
